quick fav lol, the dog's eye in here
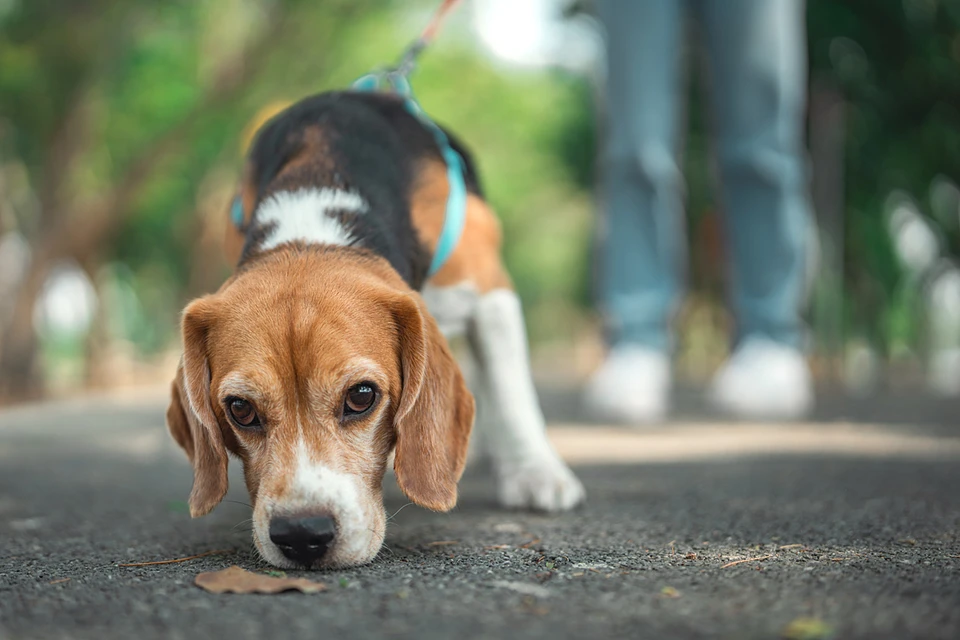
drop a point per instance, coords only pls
(359, 398)
(243, 413)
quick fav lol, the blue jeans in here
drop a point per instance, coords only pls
(756, 58)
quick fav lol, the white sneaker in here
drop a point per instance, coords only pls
(764, 380)
(943, 374)
(632, 386)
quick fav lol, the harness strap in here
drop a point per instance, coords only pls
(455, 217)
(456, 214)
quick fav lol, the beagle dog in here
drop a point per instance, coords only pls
(325, 351)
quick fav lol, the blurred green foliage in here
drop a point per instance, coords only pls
(142, 67)
(897, 64)
(142, 70)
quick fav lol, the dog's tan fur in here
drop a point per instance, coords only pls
(291, 324)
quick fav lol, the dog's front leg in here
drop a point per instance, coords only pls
(529, 472)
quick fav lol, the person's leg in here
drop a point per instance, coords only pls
(642, 184)
(757, 63)
(642, 190)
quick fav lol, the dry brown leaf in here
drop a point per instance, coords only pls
(237, 580)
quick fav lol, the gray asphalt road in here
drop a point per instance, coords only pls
(866, 545)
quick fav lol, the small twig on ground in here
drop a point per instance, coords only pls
(757, 559)
(527, 545)
(176, 560)
(494, 547)
(791, 546)
(60, 581)
(442, 543)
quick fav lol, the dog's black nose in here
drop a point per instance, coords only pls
(303, 539)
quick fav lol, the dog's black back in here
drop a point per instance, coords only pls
(370, 144)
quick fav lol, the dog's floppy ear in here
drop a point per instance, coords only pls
(190, 416)
(435, 414)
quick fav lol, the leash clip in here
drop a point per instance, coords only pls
(390, 80)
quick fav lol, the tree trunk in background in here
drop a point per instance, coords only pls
(97, 343)
(208, 262)
(827, 138)
(21, 376)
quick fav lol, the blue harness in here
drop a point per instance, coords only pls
(456, 212)
(395, 80)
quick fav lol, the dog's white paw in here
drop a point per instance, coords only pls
(544, 483)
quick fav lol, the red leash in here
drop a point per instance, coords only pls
(431, 31)
(409, 57)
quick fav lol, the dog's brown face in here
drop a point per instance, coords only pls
(311, 366)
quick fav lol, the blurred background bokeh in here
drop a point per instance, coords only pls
(123, 123)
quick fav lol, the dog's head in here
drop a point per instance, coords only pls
(311, 366)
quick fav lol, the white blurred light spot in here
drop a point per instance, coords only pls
(945, 295)
(914, 239)
(67, 302)
(943, 376)
(515, 31)
(917, 245)
(535, 33)
(943, 317)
